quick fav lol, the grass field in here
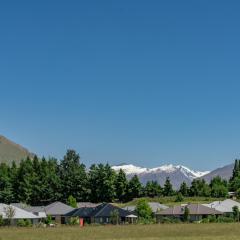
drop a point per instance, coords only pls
(133, 232)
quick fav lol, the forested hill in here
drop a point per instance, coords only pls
(10, 151)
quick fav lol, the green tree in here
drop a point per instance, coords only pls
(179, 197)
(199, 188)
(50, 186)
(152, 189)
(102, 183)
(186, 214)
(236, 213)
(71, 201)
(168, 189)
(121, 184)
(25, 181)
(184, 189)
(6, 189)
(114, 216)
(73, 176)
(134, 188)
(143, 209)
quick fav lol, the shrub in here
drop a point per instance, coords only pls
(48, 220)
(24, 223)
(225, 220)
(74, 221)
(179, 197)
(1, 221)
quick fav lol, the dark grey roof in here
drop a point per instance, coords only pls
(58, 208)
(194, 209)
(103, 210)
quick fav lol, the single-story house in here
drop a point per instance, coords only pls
(58, 211)
(105, 213)
(196, 212)
(13, 214)
(225, 206)
(155, 206)
(36, 210)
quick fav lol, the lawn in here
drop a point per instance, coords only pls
(133, 232)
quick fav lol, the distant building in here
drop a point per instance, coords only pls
(17, 214)
(103, 214)
(155, 206)
(57, 211)
(196, 212)
(225, 206)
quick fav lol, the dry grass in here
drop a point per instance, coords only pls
(144, 232)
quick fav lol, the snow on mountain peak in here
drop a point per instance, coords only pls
(169, 168)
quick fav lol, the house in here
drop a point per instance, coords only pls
(196, 212)
(36, 210)
(155, 206)
(58, 211)
(104, 213)
(225, 206)
(13, 214)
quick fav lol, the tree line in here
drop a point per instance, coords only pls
(41, 181)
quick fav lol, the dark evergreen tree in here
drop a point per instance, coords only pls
(134, 188)
(25, 181)
(73, 177)
(6, 190)
(121, 184)
(168, 189)
(102, 183)
(184, 190)
(152, 189)
(219, 187)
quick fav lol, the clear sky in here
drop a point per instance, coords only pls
(142, 82)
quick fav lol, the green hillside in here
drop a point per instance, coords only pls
(10, 151)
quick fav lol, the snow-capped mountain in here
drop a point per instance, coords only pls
(177, 174)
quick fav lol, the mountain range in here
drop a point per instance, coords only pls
(10, 151)
(177, 174)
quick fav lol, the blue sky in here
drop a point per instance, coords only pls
(143, 82)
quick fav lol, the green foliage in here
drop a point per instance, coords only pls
(74, 221)
(152, 189)
(73, 176)
(102, 183)
(48, 220)
(184, 189)
(179, 197)
(168, 189)
(71, 201)
(143, 209)
(121, 185)
(200, 188)
(24, 223)
(236, 213)
(134, 188)
(186, 215)
(1, 221)
(114, 217)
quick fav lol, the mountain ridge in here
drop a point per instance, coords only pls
(11, 151)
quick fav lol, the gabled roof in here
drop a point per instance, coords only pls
(223, 206)
(103, 210)
(194, 209)
(57, 208)
(18, 212)
(36, 210)
(155, 206)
